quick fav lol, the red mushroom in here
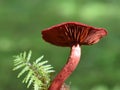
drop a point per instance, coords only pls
(73, 35)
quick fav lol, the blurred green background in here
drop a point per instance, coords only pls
(21, 22)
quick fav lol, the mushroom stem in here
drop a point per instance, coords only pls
(66, 71)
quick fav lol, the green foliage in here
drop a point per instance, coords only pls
(38, 73)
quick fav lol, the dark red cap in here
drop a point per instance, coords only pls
(73, 33)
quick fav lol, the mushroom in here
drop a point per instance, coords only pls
(73, 35)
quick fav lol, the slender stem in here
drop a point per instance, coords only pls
(66, 71)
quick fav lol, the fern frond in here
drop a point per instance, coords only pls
(38, 73)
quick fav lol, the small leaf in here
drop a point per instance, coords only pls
(36, 87)
(30, 82)
(29, 55)
(19, 66)
(48, 68)
(17, 63)
(42, 63)
(50, 71)
(39, 59)
(23, 71)
(24, 55)
(29, 75)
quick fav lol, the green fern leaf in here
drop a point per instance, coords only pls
(37, 73)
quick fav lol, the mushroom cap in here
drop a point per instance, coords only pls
(73, 33)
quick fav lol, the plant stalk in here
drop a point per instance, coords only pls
(66, 71)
